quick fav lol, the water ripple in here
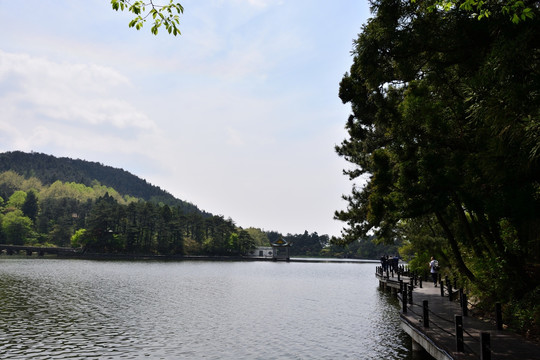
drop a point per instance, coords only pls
(63, 309)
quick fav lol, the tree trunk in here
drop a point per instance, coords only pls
(455, 248)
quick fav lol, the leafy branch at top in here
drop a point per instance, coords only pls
(166, 15)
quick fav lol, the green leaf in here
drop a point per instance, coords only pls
(158, 13)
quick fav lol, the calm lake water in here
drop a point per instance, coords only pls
(78, 309)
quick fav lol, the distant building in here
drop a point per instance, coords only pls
(261, 251)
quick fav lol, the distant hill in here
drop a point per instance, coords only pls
(200, 233)
(49, 169)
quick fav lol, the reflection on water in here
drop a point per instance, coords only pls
(65, 309)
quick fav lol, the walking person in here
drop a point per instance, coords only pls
(434, 269)
(395, 262)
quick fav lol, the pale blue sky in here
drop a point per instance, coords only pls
(238, 115)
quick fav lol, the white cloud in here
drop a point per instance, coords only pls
(37, 69)
(63, 92)
(259, 3)
(234, 137)
(70, 109)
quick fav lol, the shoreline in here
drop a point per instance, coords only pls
(144, 257)
(139, 257)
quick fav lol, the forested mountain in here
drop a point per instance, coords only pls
(49, 169)
(51, 201)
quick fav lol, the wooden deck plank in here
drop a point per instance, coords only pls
(505, 345)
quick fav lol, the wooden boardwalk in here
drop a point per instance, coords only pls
(439, 338)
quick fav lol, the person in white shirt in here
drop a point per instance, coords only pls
(433, 268)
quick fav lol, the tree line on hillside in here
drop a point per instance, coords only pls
(316, 245)
(100, 219)
(48, 169)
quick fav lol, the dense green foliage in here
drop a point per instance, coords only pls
(315, 245)
(445, 132)
(101, 220)
(515, 10)
(365, 248)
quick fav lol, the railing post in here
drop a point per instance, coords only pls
(485, 346)
(398, 276)
(459, 332)
(441, 285)
(410, 293)
(404, 298)
(401, 286)
(449, 286)
(420, 280)
(464, 305)
(498, 316)
(426, 313)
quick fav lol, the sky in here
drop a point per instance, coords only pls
(239, 115)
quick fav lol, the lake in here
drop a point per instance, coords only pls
(82, 309)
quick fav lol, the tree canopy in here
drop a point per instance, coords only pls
(515, 10)
(444, 136)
